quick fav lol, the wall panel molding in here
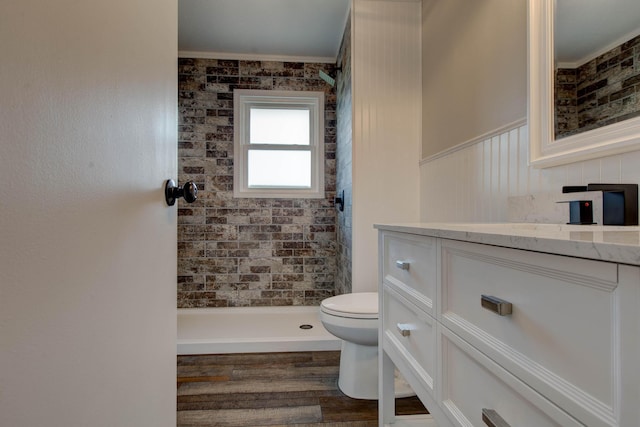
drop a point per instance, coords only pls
(472, 141)
(387, 91)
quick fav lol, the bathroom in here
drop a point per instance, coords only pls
(98, 288)
(239, 281)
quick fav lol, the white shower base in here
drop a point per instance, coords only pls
(252, 330)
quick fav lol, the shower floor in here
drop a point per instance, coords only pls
(252, 330)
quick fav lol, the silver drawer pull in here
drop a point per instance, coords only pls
(492, 419)
(404, 329)
(403, 265)
(497, 305)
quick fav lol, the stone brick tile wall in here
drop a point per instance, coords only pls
(344, 182)
(566, 102)
(606, 90)
(248, 252)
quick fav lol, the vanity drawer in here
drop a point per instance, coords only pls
(412, 332)
(472, 383)
(560, 337)
(409, 263)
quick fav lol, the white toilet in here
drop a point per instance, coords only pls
(354, 319)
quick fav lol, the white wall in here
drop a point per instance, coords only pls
(386, 125)
(87, 245)
(474, 58)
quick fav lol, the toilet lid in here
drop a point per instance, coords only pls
(361, 305)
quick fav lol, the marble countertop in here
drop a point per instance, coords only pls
(603, 243)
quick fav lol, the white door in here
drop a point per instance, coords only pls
(87, 245)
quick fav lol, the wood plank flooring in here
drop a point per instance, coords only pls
(272, 389)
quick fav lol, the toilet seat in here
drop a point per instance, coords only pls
(360, 305)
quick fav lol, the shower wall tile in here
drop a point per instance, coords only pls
(248, 252)
(344, 165)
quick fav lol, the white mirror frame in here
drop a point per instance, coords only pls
(544, 149)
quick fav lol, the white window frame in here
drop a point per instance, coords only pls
(243, 100)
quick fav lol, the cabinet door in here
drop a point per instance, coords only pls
(408, 264)
(562, 336)
(472, 384)
(409, 333)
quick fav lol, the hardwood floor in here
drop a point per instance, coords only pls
(272, 389)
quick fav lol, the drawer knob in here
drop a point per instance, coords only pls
(403, 265)
(404, 329)
(497, 305)
(492, 419)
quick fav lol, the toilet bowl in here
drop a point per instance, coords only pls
(354, 319)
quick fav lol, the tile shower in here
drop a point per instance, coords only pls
(248, 252)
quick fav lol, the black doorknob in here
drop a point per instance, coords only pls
(172, 192)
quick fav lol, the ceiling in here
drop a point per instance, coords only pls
(311, 30)
(262, 29)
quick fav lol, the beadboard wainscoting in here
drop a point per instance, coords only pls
(386, 100)
(473, 181)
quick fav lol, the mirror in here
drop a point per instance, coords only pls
(599, 91)
(595, 48)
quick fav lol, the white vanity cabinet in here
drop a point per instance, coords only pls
(499, 336)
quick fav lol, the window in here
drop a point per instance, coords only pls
(278, 144)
